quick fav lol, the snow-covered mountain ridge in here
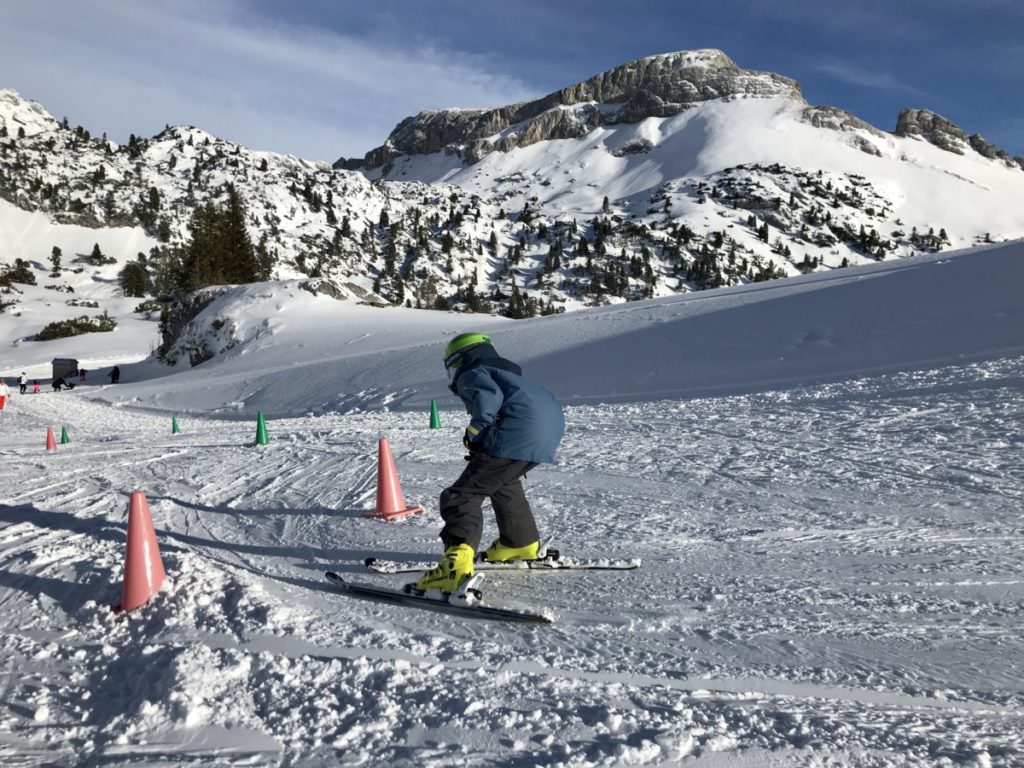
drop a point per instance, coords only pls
(661, 86)
(669, 174)
(654, 86)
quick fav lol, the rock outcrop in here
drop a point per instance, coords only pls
(947, 135)
(993, 152)
(933, 128)
(655, 86)
(836, 119)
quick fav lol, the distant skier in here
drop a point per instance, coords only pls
(35, 387)
(115, 375)
(59, 383)
(514, 425)
(23, 382)
(81, 374)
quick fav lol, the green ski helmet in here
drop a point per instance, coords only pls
(460, 344)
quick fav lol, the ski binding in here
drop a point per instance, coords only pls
(550, 560)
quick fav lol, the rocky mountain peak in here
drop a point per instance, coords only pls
(654, 86)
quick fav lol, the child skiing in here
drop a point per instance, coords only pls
(514, 425)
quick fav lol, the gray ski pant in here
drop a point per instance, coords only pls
(498, 479)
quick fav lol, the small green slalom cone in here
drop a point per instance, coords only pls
(64, 439)
(174, 425)
(435, 417)
(261, 430)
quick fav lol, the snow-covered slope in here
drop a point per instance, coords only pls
(832, 572)
(80, 289)
(287, 352)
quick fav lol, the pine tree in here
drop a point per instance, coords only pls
(201, 264)
(134, 279)
(241, 265)
(265, 259)
(220, 250)
(55, 255)
(19, 272)
(472, 300)
(516, 309)
(96, 257)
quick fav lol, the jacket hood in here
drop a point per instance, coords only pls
(482, 354)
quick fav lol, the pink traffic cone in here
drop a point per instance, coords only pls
(143, 568)
(390, 501)
(51, 444)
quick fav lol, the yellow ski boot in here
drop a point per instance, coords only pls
(454, 567)
(500, 553)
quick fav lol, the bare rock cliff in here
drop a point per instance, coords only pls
(655, 86)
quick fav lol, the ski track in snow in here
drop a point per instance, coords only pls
(831, 575)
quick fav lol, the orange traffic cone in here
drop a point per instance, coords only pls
(51, 444)
(390, 501)
(143, 568)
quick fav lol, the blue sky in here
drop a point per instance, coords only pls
(329, 78)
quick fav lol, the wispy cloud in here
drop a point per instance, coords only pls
(132, 67)
(856, 75)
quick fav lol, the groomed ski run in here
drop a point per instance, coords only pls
(833, 563)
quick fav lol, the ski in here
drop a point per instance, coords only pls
(550, 560)
(465, 602)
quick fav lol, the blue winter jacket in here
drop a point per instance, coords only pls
(514, 418)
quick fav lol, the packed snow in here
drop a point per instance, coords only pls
(822, 477)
